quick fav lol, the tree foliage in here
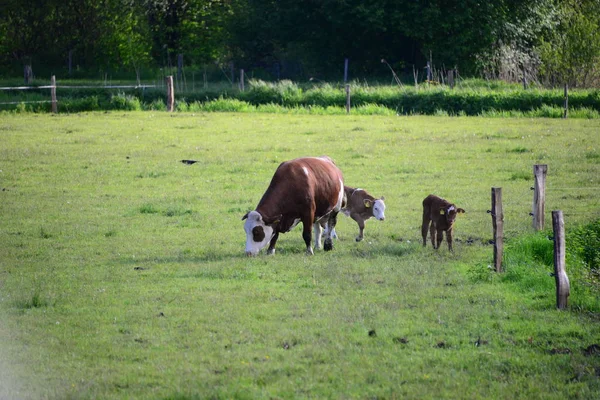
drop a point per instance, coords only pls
(555, 40)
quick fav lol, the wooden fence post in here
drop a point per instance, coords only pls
(347, 99)
(566, 101)
(170, 93)
(53, 94)
(345, 70)
(563, 288)
(539, 195)
(451, 78)
(242, 80)
(498, 227)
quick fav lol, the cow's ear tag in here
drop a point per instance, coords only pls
(442, 212)
(367, 203)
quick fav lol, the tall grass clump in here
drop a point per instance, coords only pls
(529, 265)
(127, 102)
(583, 244)
(284, 92)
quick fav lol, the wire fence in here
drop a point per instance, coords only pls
(54, 87)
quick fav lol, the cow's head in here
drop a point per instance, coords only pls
(259, 231)
(377, 206)
(450, 213)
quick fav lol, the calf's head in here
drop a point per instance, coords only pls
(377, 206)
(259, 231)
(450, 212)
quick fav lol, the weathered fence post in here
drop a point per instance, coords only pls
(539, 195)
(451, 78)
(347, 99)
(242, 80)
(53, 94)
(170, 93)
(345, 70)
(566, 101)
(498, 227)
(563, 288)
(27, 74)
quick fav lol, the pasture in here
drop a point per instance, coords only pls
(123, 275)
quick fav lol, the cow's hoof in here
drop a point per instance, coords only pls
(328, 245)
(359, 239)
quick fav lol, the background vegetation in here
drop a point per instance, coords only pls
(122, 272)
(469, 97)
(549, 41)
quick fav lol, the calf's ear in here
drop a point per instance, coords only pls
(460, 210)
(382, 198)
(368, 203)
(245, 216)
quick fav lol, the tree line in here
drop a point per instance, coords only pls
(549, 41)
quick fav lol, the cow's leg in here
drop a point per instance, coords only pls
(318, 228)
(307, 224)
(440, 237)
(332, 221)
(425, 228)
(361, 226)
(271, 249)
(449, 239)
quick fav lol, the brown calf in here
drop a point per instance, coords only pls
(360, 206)
(438, 216)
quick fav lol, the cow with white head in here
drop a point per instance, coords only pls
(308, 190)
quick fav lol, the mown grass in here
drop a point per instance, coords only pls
(122, 272)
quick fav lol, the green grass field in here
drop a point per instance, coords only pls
(123, 275)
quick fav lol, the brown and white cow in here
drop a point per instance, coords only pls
(360, 206)
(438, 216)
(307, 190)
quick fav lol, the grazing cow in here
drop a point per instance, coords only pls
(310, 190)
(360, 206)
(441, 215)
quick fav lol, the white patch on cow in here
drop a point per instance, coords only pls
(253, 220)
(379, 209)
(305, 170)
(338, 205)
(451, 208)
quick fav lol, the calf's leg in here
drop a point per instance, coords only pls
(361, 226)
(449, 238)
(318, 229)
(433, 232)
(440, 237)
(424, 229)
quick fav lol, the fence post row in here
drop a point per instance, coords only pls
(498, 227)
(170, 93)
(53, 94)
(539, 195)
(563, 288)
